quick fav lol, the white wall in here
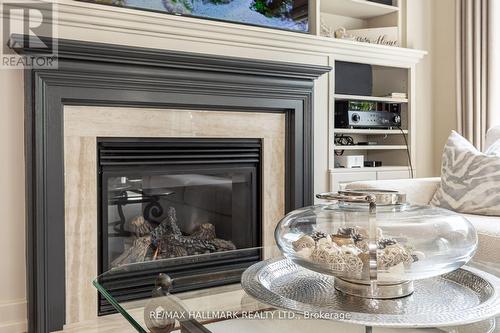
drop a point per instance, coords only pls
(419, 31)
(431, 27)
(444, 75)
(12, 225)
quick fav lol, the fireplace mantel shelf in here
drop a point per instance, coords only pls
(113, 53)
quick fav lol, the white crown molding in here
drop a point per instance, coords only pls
(175, 29)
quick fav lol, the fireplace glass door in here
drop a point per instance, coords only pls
(179, 198)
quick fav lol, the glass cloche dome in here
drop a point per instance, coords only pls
(375, 243)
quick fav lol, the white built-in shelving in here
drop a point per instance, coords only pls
(371, 98)
(361, 17)
(371, 147)
(399, 168)
(393, 145)
(360, 9)
(369, 131)
(390, 144)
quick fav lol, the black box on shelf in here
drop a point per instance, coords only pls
(353, 78)
(384, 2)
(372, 164)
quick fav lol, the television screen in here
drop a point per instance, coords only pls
(280, 14)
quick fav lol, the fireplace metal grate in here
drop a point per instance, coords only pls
(179, 151)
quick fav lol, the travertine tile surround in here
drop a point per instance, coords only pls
(83, 124)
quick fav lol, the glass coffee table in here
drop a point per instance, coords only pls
(220, 309)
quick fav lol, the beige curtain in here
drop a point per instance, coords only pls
(472, 69)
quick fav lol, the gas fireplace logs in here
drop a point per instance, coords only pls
(167, 241)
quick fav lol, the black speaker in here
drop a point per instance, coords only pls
(384, 2)
(353, 78)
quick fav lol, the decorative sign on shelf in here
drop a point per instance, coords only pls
(382, 36)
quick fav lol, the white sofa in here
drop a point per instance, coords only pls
(421, 190)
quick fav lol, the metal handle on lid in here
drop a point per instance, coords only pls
(354, 197)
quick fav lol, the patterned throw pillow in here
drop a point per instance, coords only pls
(470, 180)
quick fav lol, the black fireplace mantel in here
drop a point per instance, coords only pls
(113, 75)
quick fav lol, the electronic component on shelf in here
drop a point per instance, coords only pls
(349, 162)
(367, 114)
(383, 2)
(367, 143)
(372, 164)
(353, 78)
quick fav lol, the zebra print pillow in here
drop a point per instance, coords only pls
(470, 180)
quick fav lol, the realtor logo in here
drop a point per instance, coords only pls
(28, 24)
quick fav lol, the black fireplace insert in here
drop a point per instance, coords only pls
(163, 198)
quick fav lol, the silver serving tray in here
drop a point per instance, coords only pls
(462, 297)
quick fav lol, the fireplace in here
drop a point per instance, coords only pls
(164, 198)
(102, 91)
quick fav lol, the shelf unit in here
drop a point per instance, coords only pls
(360, 9)
(390, 75)
(369, 131)
(376, 169)
(340, 97)
(374, 147)
(391, 146)
(363, 18)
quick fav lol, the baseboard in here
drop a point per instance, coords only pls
(14, 327)
(13, 316)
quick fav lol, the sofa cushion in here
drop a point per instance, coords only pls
(488, 231)
(470, 180)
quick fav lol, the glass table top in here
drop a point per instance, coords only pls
(227, 308)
